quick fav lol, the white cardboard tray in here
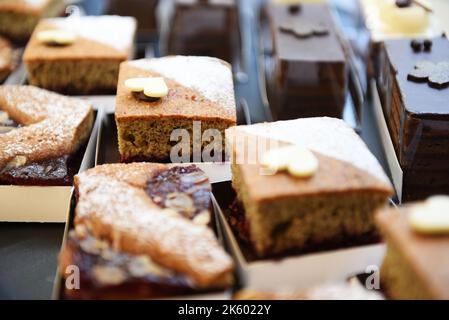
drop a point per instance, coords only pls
(387, 144)
(43, 204)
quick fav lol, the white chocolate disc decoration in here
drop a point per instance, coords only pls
(56, 37)
(410, 19)
(432, 216)
(298, 161)
(152, 87)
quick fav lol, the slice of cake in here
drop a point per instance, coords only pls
(79, 55)
(41, 136)
(18, 18)
(143, 230)
(305, 68)
(305, 184)
(414, 89)
(6, 63)
(204, 28)
(198, 96)
(417, 260)
(391, 19)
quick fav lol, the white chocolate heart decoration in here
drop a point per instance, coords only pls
(432, 216)
(298, 161)
(153, 87)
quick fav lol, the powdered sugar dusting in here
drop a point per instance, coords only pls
(117, 210)
(209, 76)
(328, 136)
(114, 31)
(51, 123)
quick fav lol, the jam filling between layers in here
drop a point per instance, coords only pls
(50, 172)
(107, 271)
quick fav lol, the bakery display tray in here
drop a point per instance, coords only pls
(44, 203)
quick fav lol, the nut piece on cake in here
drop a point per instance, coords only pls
(6, 63)
(200, 97)
(417, 259)
(136, 234)
(79, 55)
(41, 133)
(18, 18)
(331, 205)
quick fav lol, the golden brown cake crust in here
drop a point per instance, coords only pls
(427, 256)
(181, 102)
(123, 213)
(81, 49)
(54, 125)
(282, 185)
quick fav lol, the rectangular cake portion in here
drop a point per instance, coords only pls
(200, 99)
(305, 67)
(88, 60)
(125, 214)
(416, 263)
(417, 113)
(18, 18)
(204, 28)
(334, 204)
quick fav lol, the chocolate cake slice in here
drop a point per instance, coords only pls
(417, 263)
(324, 190)
(204, 28)
(143, 231)
(417, 113)
(42, 135)
(305, 68)
(391, 19)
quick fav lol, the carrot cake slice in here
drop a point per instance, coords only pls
(157, 96)
(79, 55)
(41, 136)
(143, 230)
(305, 184)
(417, 260)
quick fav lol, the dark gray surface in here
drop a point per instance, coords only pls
(28, 255)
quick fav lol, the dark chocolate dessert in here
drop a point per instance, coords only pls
(413, 87)
(305, 65)
(204, 28)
